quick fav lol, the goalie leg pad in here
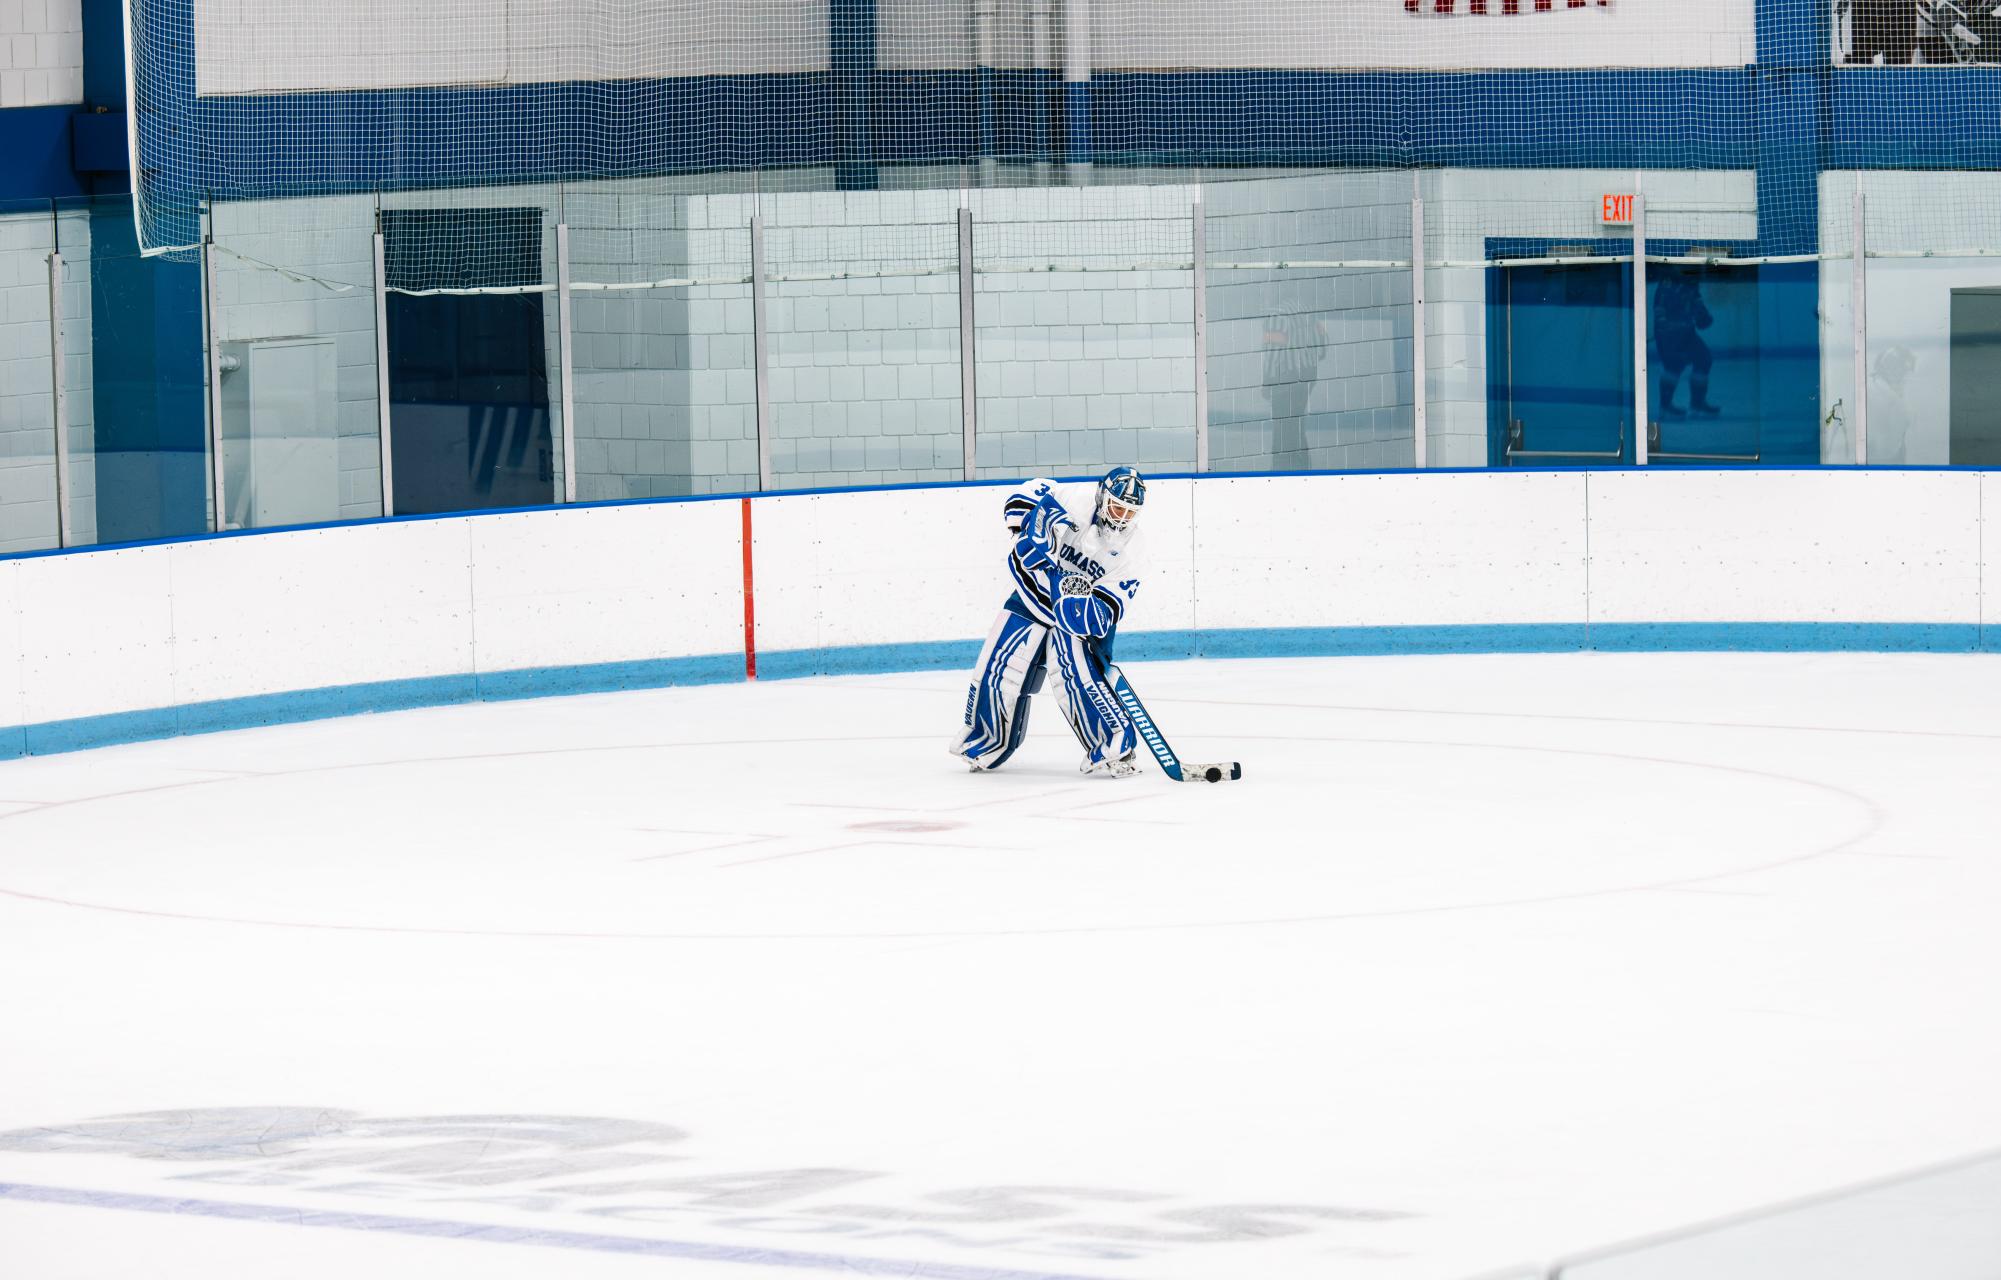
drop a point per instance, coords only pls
(1089, 704)
(1009, 670)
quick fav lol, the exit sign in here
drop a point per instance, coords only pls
(1615, 210)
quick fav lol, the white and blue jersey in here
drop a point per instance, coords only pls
(1106, 560)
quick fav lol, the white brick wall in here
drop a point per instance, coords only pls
(41, 52)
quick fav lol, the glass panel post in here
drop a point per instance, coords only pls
(760, 343)
(382, 379)
(1858, 303)
(1417, 371)
(1198, 241)
(61, 399)
(1641, 386)
(565, 343)
(72, 348)
(968, 381)
(211, 301)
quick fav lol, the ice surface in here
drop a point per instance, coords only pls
(1485, 960)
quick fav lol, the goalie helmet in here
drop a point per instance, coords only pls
(1121, 494)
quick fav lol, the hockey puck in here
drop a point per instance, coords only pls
(1213, 773)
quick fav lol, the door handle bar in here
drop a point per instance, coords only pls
(1654, 438)
(1513, 449)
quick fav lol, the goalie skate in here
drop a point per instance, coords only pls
(1124, 766)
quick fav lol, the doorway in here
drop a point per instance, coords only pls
(1560, 351)
(468, 373)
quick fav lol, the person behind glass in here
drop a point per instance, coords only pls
(1679, 316)
(1295, 345)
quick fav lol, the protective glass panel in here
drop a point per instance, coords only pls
(862, 298)
(133, 377)
(1732, 362)
(664, 385)
(1085, 341)
(1932, 252)
(1309, 353)
(27, 386)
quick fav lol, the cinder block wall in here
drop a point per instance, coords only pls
(41, 52)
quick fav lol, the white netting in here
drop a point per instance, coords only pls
(1528, 109)
(1079, 135)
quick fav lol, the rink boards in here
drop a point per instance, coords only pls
(115, 645)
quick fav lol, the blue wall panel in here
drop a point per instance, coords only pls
(393, 139)
(851, 45)
(35, 154)
(1675, 119)
(1914, 118)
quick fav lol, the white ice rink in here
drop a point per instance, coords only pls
(1485, 960)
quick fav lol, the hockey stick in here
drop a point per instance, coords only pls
(1170, 764)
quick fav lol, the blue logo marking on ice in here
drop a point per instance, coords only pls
(639, 1174)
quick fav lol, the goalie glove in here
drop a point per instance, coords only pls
(1040, 531)
(1080, 610)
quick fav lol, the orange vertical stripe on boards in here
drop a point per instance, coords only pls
(749, 604)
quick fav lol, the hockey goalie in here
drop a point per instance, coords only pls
(1074, 564)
